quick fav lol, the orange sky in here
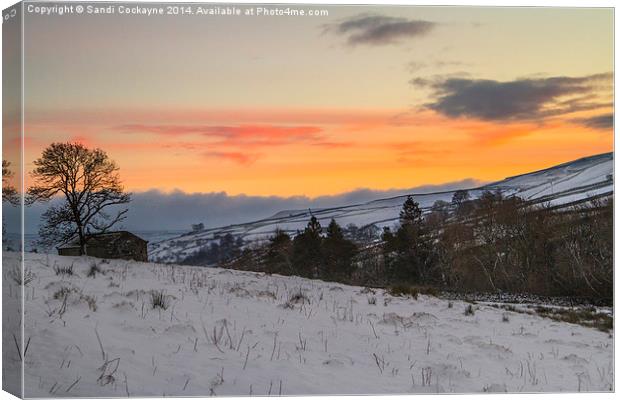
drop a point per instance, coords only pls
(342, 151)
(310, 107)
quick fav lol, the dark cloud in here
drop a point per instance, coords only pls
(154, 210)
(602, 122)
(521, 99)
(379, 30)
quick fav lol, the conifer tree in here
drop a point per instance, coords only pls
(338, 253)
(409, 259)
(307, 250)
(278, 256)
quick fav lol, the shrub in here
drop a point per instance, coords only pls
(299, 298)
(66, 270)
(367, 290)
(403, 290)
(91, 301)
(62, 293)
(413, 291)
(94, 270)
(429, 291)
(17, 277)
(159, 300)
(469, 310)
(586, 316)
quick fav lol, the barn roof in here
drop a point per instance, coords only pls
(103, 239)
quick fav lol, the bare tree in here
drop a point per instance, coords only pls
(9, 194)
(88, 183)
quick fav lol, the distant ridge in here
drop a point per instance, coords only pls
(560, 185)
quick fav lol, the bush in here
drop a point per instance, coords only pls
(17, 277)
(90, 300)
(298, 298)
(62, 293)
(587, 317)
(469, 310)
(412, 291)
(68, 271)
(94, 270)
(403, 290)
(159, 300)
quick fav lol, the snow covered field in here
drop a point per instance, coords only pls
(226, 332)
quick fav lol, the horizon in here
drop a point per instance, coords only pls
(149, 206)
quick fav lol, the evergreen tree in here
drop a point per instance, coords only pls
(409, 252)
(307, 250)
(338, 253)
(411, 214)
(279, 252)
(387, 236)
(334, 231)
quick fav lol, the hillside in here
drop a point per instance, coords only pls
(561, 185)
(226, 332)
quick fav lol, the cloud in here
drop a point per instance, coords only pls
(239, 131)
(334, 145)
(602, 122)
(177, 210)
(235, 135)
(521, 99)
(415, 66)
(418, 151)
(155, 210)
(236, 157)
(376, 30)
(82, 139)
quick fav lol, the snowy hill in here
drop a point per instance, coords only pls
(563, 184)
(225, 332)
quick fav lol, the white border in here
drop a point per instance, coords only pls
(485, 3)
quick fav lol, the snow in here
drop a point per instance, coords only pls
(564, 184)
(231, 332)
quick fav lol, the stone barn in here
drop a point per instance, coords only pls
(121, 244)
